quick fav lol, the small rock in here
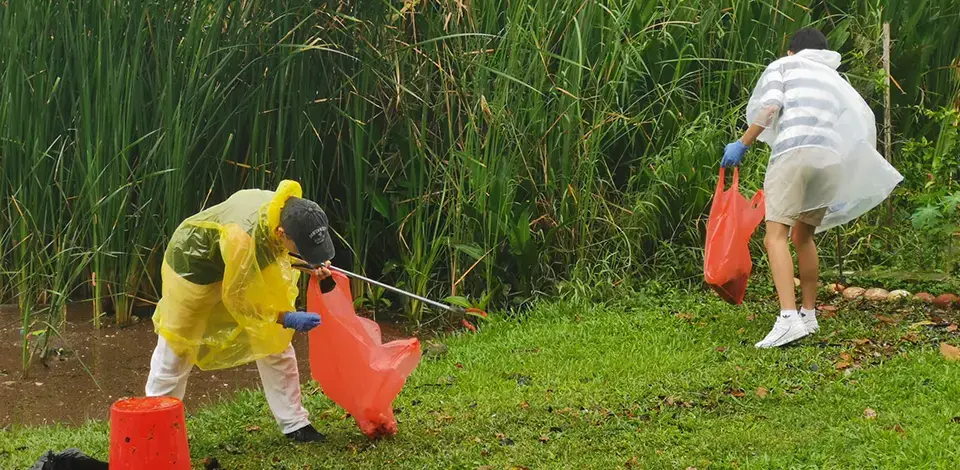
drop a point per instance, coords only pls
(946, 300)
(838, 288)
(853, 293)
(899, 294)
(924, 297)
(876, 294)
(796, 282)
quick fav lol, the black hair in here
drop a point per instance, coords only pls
(808, 38)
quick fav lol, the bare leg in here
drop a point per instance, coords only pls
(781, 264)
(807, 262)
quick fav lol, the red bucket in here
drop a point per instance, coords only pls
(147, 433)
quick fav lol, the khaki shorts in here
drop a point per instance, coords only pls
(799, 185)
(812, 218)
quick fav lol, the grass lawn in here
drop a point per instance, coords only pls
(649, 380)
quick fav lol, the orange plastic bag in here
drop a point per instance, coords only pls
(733, 219)
(349, 362)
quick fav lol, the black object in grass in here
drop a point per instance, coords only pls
(70, 459)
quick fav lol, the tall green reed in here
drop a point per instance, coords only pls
(481, 150)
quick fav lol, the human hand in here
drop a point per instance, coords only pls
(733, 153)
(301, 321)
(321, 273)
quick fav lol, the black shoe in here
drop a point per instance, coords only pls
(307, 434)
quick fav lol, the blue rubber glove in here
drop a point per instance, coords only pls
(301, 321)
(733, 153)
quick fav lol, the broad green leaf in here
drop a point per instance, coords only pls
(381, 205)
(472, 250)
(458, 301)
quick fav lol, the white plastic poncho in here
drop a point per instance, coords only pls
(823, 140)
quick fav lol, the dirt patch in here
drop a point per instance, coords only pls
(118, 359)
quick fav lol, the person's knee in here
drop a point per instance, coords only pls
(774, 238)
(799, 241)
(802, 236)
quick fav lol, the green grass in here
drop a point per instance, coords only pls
(652, 378)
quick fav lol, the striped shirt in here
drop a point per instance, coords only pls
(798, 100)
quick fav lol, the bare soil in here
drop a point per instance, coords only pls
(61, 390)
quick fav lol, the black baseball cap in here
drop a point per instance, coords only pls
(306, 224)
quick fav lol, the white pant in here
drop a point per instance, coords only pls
(278, 373)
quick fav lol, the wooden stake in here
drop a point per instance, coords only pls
(887, 125)
(888, 139)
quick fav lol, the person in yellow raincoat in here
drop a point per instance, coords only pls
(229, 293)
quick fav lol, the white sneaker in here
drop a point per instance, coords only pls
(809, 318)
(788, 328)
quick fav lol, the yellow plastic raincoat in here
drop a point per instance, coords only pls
(226, 277)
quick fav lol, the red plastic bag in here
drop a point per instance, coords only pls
(733, 219)
(349, 362)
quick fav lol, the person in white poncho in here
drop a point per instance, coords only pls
(824, 169)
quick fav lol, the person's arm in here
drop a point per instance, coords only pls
(765, 104)
(735, 151)
(763, 110)
(326, 285)
(750, 136)
(323, 275)
(243, 275)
